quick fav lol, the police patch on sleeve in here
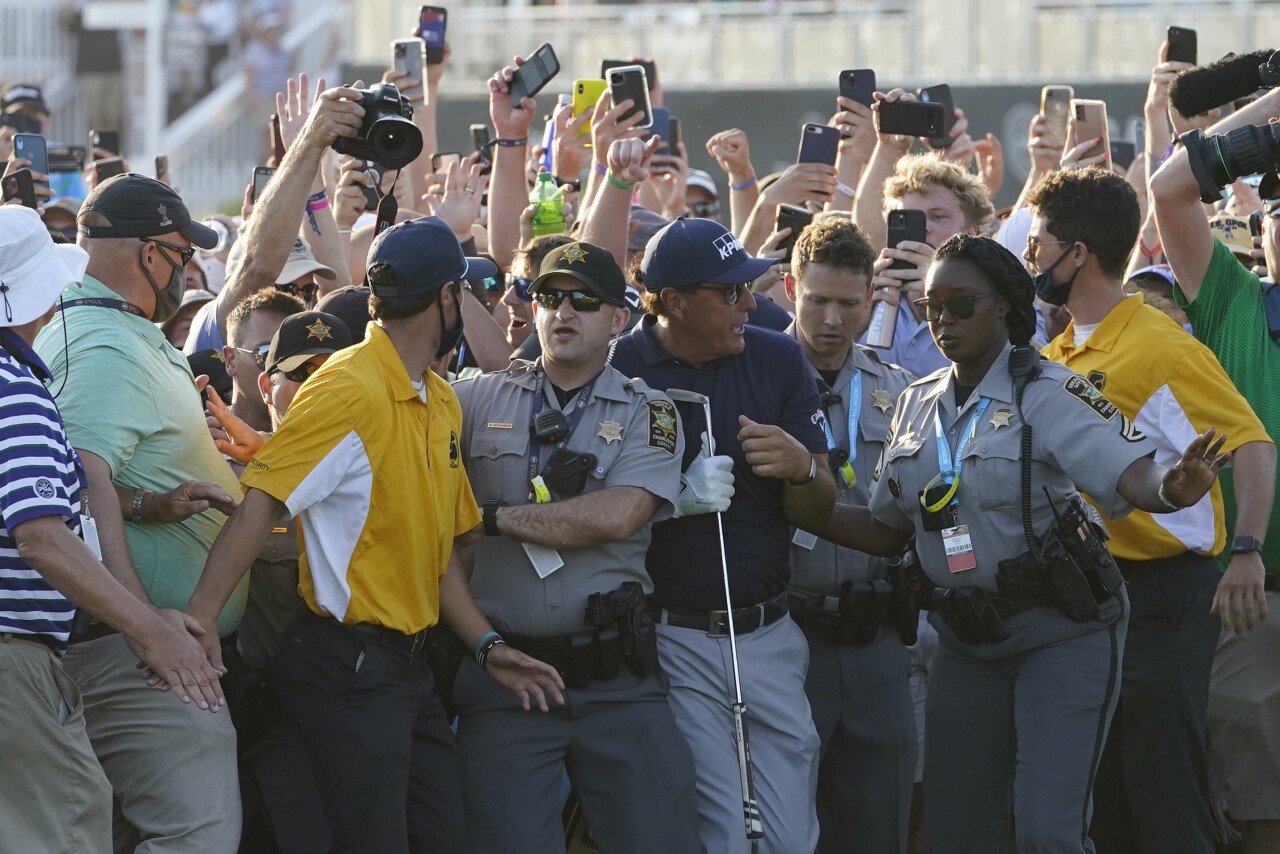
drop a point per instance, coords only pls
(1084, 391)
(662, 426)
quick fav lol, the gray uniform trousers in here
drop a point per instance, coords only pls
(1023, 720)
(630, 768)
(863, 711)
(784, 743)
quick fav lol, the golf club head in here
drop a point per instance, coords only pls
(680, 395)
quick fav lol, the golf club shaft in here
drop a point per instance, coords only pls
(750, 809)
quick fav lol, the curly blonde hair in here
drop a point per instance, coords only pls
(920, 173)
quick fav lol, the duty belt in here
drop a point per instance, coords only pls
(716, 623)
(580, 658)
(860, 624)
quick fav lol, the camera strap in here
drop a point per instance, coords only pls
(388, 207)
(540, 494)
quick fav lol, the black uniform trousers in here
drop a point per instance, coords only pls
(384, 757)
(1151, 795)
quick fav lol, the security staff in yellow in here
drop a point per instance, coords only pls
(983, 469)
(368, 459)
(1152, 792)
(572, 462)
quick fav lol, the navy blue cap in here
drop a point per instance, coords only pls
(420, 256)
(692, 251)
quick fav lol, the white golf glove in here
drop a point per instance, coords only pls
(706, 486)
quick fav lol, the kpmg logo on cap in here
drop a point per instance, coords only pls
(726, 245)
(164, 215)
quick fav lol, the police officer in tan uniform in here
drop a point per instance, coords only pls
(857, 682)
(571, 463)
(1028, 604)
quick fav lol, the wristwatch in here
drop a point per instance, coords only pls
(1244, 545)
(489, 515)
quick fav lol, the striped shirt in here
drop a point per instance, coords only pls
(39, 476)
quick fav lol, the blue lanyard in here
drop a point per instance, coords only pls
(949, 472)
(855, 406)
(573, 418)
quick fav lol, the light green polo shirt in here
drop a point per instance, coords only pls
(130, 399)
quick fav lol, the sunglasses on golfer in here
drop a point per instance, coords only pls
(579, 300)
(960, 307)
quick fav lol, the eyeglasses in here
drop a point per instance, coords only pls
(521, 285)
(960, 307)
(259, 355)
(491, 283)
(729, 293)
(185, 252)
(580, 300)
(704, 210)
(301, 373)
(1033, 249)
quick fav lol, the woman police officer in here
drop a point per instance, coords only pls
(1025, 679)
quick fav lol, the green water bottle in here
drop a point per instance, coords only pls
(549, 218)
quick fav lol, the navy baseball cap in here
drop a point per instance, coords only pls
(692, 251)
(420, 256)
(133, 205)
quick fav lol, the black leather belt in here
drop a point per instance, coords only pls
(96, 631)
(716, 623)
(55, 646)
(381, 635)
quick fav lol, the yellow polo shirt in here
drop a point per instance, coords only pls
(1172, 388)
(374, 475)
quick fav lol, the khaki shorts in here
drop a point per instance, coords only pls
(1244, 716)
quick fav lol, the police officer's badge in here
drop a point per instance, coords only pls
(880, 400)
(319, 330)
(1000, 418)
(610, 431)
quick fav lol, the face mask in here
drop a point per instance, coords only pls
(449, 338)
(1048, 290)
(169, 299)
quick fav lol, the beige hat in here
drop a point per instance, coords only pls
(301, 262)
(1233, 232)
(33, 270)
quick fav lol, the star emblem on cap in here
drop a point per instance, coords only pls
(574, 254)
(319, 331)
(217, 356)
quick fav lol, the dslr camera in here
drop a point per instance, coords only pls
(1218, 160)
(387, 136)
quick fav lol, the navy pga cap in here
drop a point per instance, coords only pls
(420, 256)
(692, 251)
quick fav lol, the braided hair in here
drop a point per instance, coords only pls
(1010, 279)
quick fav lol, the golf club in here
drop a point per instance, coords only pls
(750, 809)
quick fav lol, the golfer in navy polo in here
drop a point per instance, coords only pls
(766, 419)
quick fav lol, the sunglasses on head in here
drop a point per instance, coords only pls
(960, 307)
(259, 355)
(185, 252)
(729, 293)
(301, 373)
(579, 300)
(521, 285)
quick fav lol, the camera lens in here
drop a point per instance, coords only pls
(394, 142)
(1220, 159)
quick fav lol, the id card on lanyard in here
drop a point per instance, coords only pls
(956, 541)
(88, 525)
(847, 475)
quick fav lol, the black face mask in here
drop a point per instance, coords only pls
(169, 299)
(449, 338)
(1050, 291)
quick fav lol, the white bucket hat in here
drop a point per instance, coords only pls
(33, 269)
